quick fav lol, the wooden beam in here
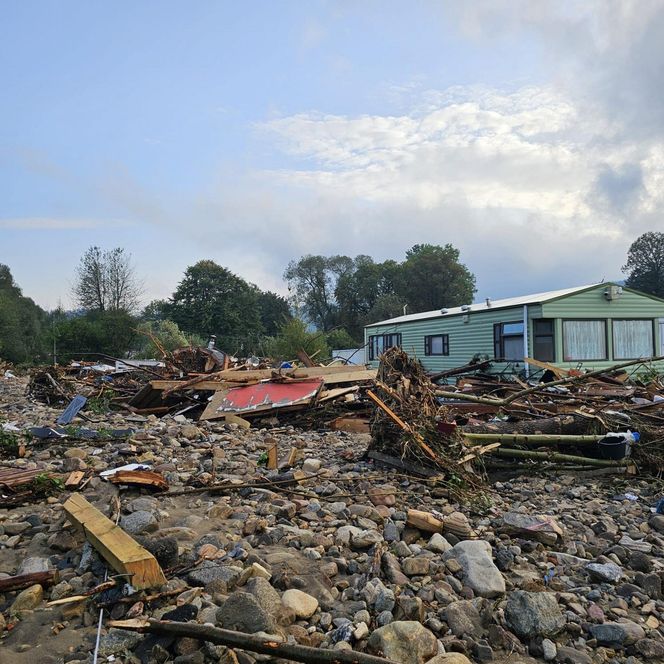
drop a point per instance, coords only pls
(556, 371)
(119, 550)
(26, 580)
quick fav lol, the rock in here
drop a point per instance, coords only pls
(549, 650)
(539, 527)
(302, 604)
(62, 589)
(242, 612)
(378, 596)
(366, 538)
(480, 573)
(139, 522)
(650, 649)
(463, 618)
(450, 658)
(164, 549)
(604, 572)
(226, 576)
(27, 600)
(117, 641)
(404, 641)
(385, 494)
(438, 544)
(617, 633)
(656, 522)
(266, 596)
(567, 655)
(417, 566)
(310, 466)
(530, 614)
(32, 565)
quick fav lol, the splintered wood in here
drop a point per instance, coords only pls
(120, 551)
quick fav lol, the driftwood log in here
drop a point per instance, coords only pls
(563, 425)
(250, 642)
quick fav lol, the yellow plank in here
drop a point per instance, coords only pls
(120, 550)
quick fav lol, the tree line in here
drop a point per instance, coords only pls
(331, 299)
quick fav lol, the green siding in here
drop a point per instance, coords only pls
(593, 305)
(476, 335)
(466, 339)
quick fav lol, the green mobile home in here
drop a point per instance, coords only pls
(589, 326)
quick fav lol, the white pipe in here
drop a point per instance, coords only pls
(525, 339)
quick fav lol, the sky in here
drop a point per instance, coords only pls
(530, 135)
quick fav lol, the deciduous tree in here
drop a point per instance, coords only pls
(645, 264)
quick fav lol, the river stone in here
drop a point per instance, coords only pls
(438, 544)
(117, 641)
(479, 571)
(27, 599)
(450, 658)
(617, 633)
(225, 576)
(301, 603)
(530, 615)
(404, 641)
(139, 522)
(604, 572)
(242, 612)
(463, 618)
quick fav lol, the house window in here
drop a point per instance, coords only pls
(584, 340)
(508, 341)
(437, 344)
(632, 339)
(544, 347)
(379, 343)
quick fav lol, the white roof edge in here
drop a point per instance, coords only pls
(535, 298)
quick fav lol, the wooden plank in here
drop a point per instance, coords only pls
(556, 371)
(26, 580)
(330, 375)
(478, 451)
(119, 550)
(145, 478)
(74, 479)
(292, 456)
(211, 410)
(305, 359)
(273, 456)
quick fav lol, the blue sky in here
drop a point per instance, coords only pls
(527, 134)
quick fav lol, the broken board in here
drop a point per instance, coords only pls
(121, 552)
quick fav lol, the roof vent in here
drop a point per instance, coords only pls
(613, 292)
(465, 307)
(488, 302)
(443, 311)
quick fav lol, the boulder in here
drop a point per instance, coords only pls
(617, 633)
(301, 603)
(531, 615)
(27, 599)
(604, 572)
(404, 641)
(463, 618)
(479, 571)
(242, 612)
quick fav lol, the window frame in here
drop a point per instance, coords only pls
(499, 340)
(385, 337)
(652, 337)
(586, 320)
(445, 338)
(551, 336)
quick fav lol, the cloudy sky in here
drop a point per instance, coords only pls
(528, 134)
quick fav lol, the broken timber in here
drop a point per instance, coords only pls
(121, 551)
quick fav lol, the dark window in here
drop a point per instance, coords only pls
(508, 341)
(544, 347)
(379, 343)
(437, 344)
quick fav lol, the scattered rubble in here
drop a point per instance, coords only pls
(294, 541)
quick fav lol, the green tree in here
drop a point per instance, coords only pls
(294, 336)
(96, 332)
(432, 277)
(312, 281)
(212, 300)
(358, 290)
(157, 335)
(274, 311)
(155, 311)
(23, 332)
(645, 264)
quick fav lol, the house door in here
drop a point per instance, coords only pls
(661, 337)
